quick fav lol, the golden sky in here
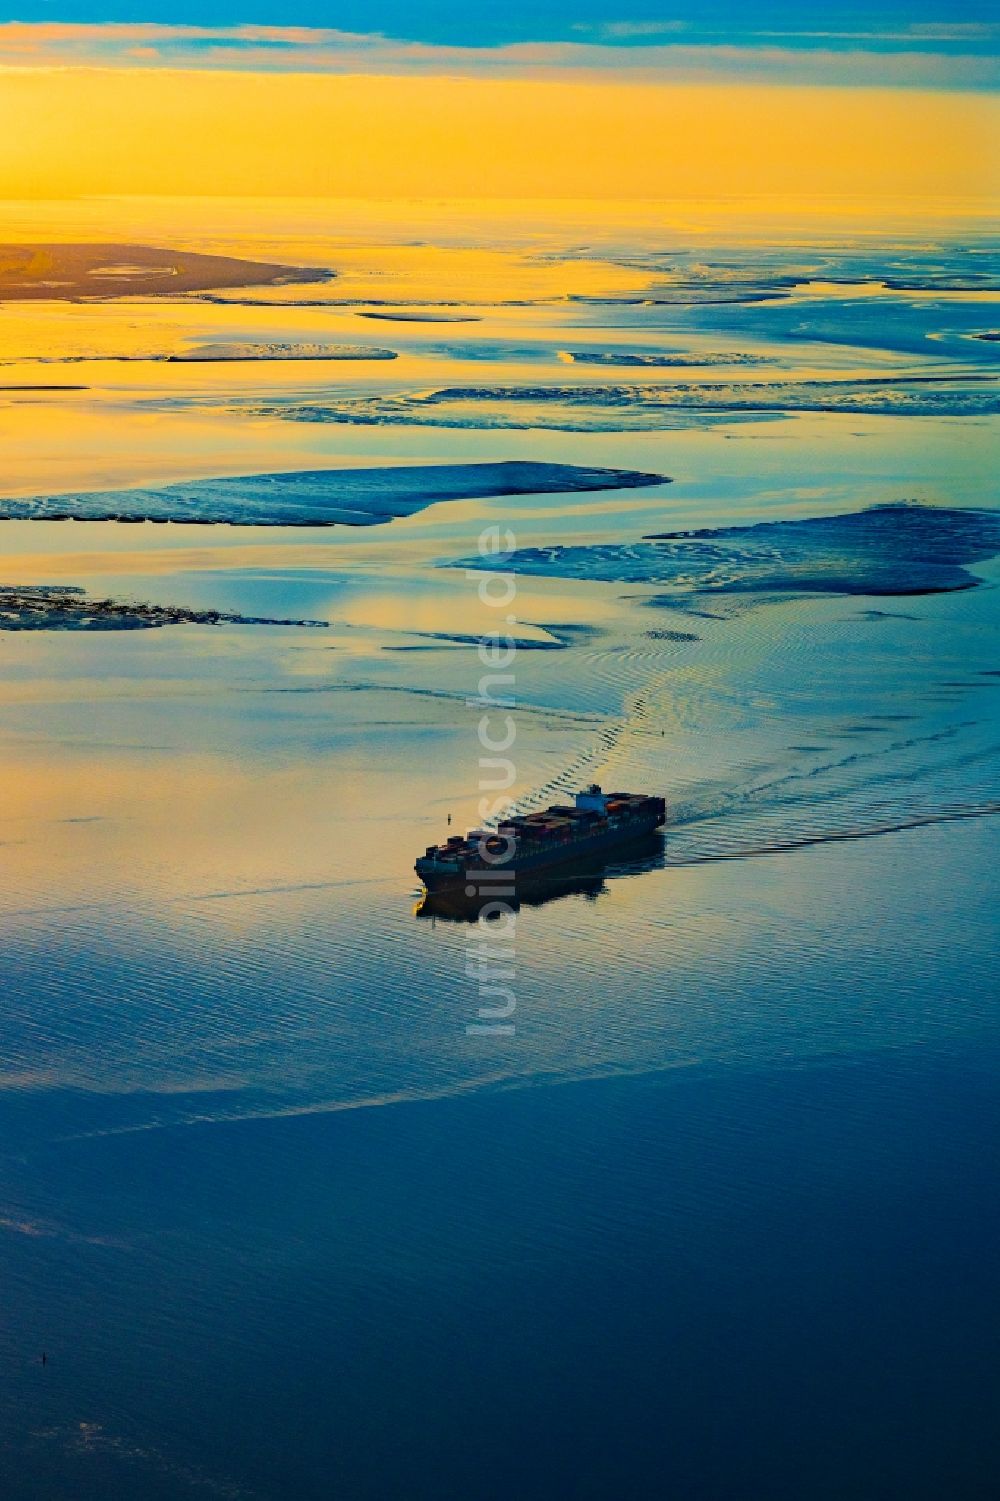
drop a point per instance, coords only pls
(75, 130)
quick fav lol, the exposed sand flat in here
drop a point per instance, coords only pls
(897, 549)
(408, 316)
(103, 271)
(64, 607)
(641, 406)
(655, 359)
(322, 497)
(235, 351)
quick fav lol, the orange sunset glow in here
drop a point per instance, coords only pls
(499, 750)
(173, 132)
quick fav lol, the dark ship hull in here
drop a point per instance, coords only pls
(521, 850)
(589, 877)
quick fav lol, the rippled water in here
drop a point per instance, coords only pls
(717, 1218)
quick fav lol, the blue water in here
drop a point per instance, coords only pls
(717, 1220)
(764, 1282)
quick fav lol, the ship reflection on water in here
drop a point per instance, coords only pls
(588, 878)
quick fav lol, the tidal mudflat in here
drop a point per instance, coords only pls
(895, 549)
(52, 272)
(324, 497)
(64, 607)
(716, 1219)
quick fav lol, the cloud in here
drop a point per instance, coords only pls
(625, 30)
(640, 51)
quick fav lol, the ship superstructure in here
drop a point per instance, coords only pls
(526, 845)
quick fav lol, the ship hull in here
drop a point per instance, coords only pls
(504, 878)
(587, 877)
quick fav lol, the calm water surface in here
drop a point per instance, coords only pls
(718, 1219)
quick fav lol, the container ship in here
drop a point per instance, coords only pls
(494, 860)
